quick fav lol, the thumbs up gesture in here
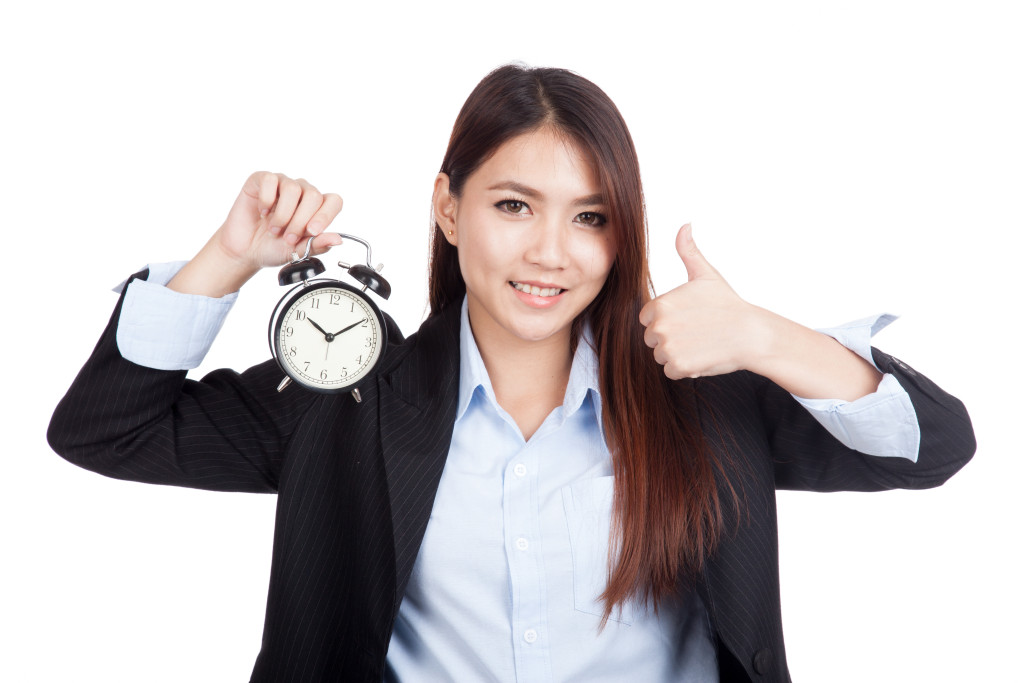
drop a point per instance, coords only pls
(701, 327)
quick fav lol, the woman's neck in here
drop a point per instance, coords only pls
(528, 377)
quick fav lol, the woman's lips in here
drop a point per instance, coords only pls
(536, 290)
(536, 296)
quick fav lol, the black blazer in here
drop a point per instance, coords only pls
(356, 483)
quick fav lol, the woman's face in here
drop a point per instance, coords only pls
(534, 242)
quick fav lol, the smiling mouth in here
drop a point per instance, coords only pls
(536, 291)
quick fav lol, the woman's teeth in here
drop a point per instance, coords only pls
(537, 291)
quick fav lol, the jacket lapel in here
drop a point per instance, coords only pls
(418, 400)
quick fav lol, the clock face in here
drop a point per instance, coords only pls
(329, 337)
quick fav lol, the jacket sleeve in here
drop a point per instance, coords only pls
(227, 432)
(807, 457)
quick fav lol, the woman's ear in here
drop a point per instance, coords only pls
(444, 209)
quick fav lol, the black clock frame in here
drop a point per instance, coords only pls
(297, 292)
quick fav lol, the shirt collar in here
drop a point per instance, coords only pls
(583, 376)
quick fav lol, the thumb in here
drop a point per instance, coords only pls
(696, 265)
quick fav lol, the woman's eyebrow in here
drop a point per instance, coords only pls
(518, 188)
(590, 200)
(525, 190)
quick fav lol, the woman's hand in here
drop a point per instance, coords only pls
(701, 327)
(704, 328)
(269, 220)
(272, 214)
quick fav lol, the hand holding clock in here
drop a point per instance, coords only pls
(704, 328)
(271, 215)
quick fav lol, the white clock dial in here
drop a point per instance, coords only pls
(328, 337)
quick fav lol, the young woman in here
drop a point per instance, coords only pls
(556, 477)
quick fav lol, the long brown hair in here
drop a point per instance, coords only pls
(667, 514)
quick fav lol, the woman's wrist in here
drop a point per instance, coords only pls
(807, 363)
(212, 272)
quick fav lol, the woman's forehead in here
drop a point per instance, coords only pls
(541, 162)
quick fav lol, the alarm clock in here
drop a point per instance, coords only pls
(327, 335)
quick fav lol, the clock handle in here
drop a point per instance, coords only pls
(369, 254)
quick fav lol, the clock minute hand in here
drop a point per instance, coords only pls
(359, 322)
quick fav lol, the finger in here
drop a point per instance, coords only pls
(650, 338)
(675, 368)
(324, 241)
(267, 192)
(288, 195)
(673, 373)
(329, 210)
(261, 187)
(696, 265)
(309, 203)
(647, 313)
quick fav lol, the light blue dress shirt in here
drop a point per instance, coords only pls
(515, 555)
(507, 582)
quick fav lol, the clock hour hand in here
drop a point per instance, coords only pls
(327, 335)
(360, 322)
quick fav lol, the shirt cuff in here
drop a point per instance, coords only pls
(857, 335)
(883, 423)
(167, 330)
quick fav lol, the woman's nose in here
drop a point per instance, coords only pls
(548, 247)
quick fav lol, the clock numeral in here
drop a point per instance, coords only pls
(366, 323)
(369, 342)
(359, 361)
(335, 299)
(352, 309)
(300, 315)
(289, 331)
(292, 352)
(306, 369)
(323, 374)
(314, 302)
(344, 372)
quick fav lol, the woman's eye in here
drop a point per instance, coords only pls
(512, 206)
(591, 218)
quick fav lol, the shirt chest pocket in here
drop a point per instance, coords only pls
(588, 514)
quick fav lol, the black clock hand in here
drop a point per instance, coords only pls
(350, 327)
(322, 330)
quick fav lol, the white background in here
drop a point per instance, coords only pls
(836, 159)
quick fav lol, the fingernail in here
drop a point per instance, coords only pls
(265, 212)
(315, 228)
(275, 229)
(291, 238)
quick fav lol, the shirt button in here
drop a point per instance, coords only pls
(522, 543)
(520, 470)
(530, 636)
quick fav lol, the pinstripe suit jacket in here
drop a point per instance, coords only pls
(356, 483)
